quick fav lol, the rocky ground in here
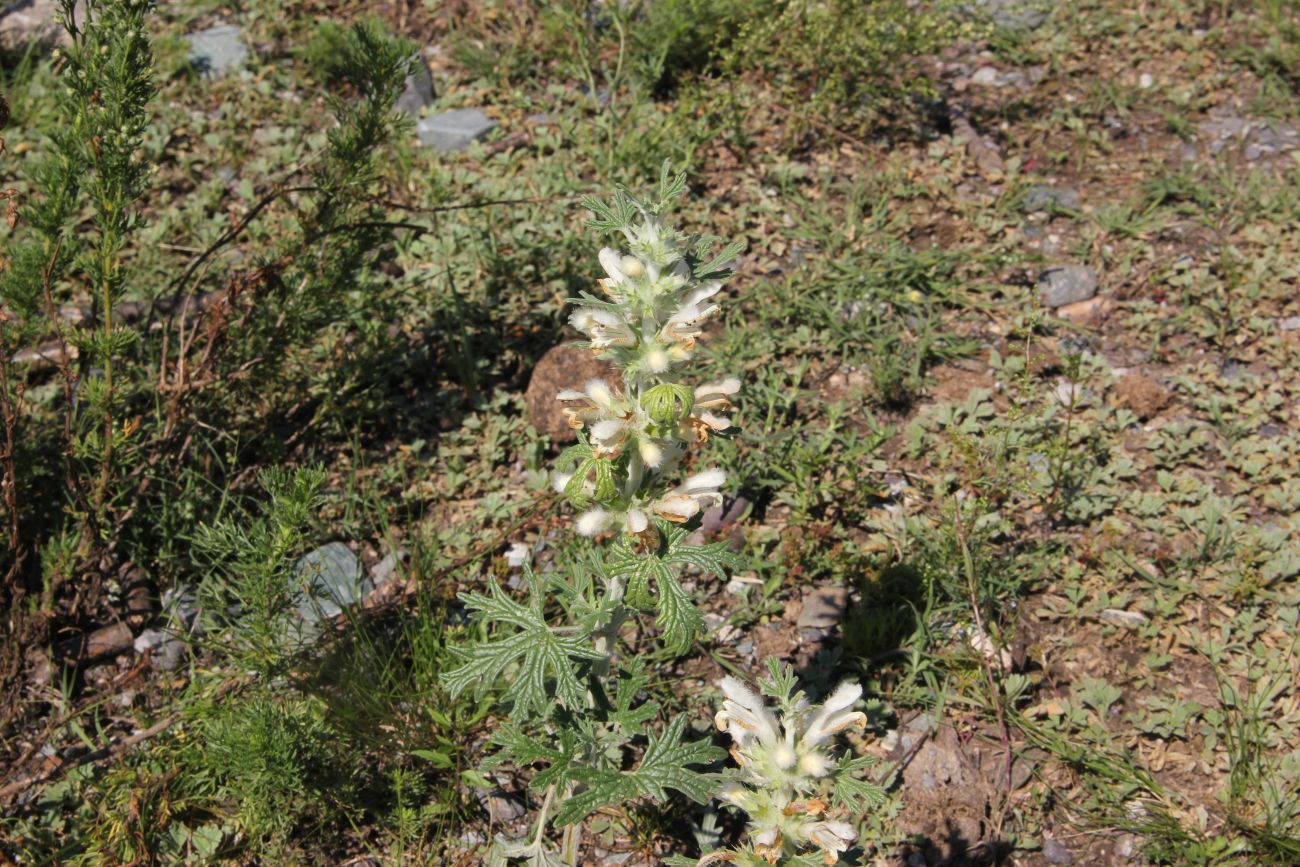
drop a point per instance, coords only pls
(1033, 356)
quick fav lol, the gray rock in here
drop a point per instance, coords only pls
(1123, 619)
(1056, 852)
(454, 130)
(938, 764)
(718, 519)
(330, 578)
(217, 50)
(1269, 431)
(986, 76)
(181, 605)
(418, 94)
(1262, 138)
(501, 807)
(1066, 284)
(26, 21)
(385, 569)
(1050, 199)
(166, 651)
(170, 655)
(823, 608)
(1016, 16)
(1291, 323)
(1125, 846)
(149, 639)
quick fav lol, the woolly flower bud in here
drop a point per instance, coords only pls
(814, 764)
(593, 521)
(657, 361)
(651, 454)
(633, 267)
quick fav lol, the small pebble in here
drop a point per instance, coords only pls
(1125, 619)
(1056, 852)
(1066, 284)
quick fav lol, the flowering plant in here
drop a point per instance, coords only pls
(786, 777)
(575, 708)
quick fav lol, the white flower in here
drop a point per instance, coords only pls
(612, 261)
(608, 436)
(589, 405)
(834, 715)
(685, 501)
(703, 293)
(745, 717)
(831, 837)
(603, 327)
(697, 427)
(716, 395)
(687, 324)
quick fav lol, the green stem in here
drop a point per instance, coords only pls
(106, 298)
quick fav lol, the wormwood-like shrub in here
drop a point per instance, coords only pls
(122, 459)
(575, 704)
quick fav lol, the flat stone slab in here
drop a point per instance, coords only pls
(454, 130)
(217, 50)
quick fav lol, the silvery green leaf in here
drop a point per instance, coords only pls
(853, 793)
(664, 766)
(539, 653)
(678, 617)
